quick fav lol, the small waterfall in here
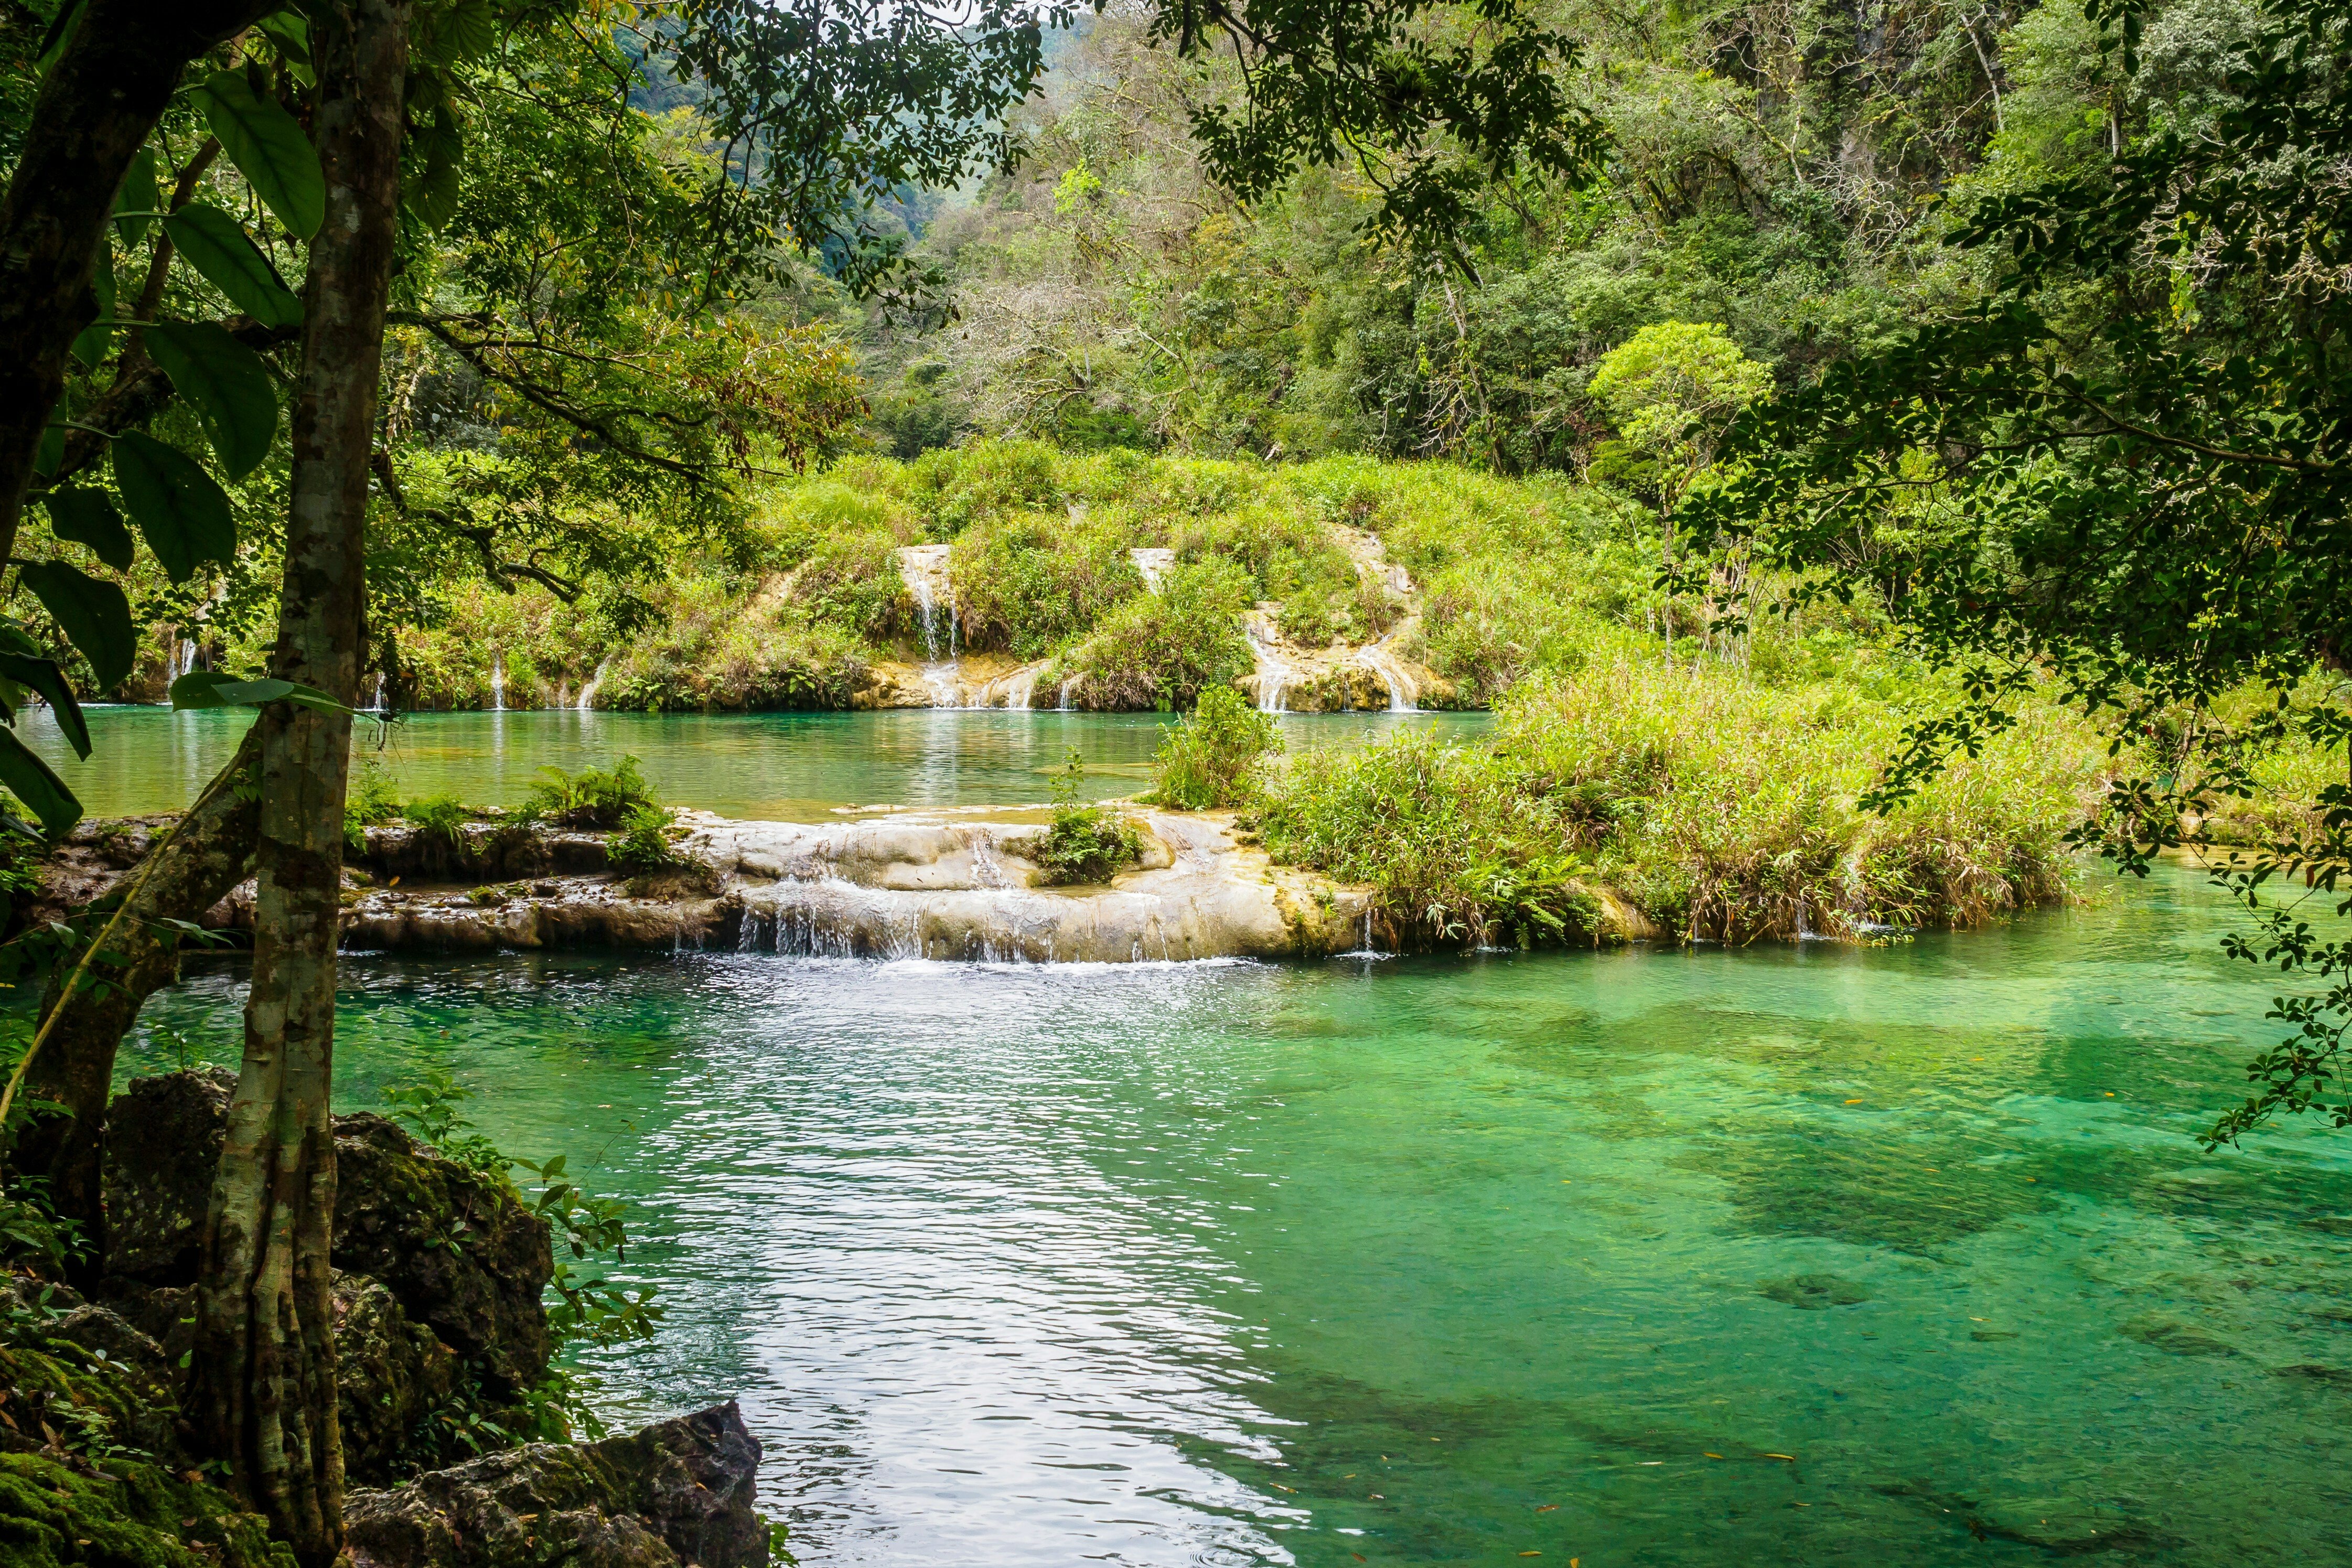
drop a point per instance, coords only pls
(1021, 687)
(183, 655)
(498, 681)
(1153, 565)
(1382, 663)
(924, 569)
(1274, 677)
(588, 692)
(1067, 687)
(376, 701)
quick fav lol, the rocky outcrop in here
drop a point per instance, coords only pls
(906, 888)
(441, 1268)
(940, 887)
(164, 1139)
(454, 1248)
(678, 1492)
(492, 848)
(391, 1376)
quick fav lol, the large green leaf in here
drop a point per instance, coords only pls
(210, 689)
(269, 149)
(217, 246)
(44, 675)
(49, 451)
(289, 30)
(139, 194)
(88, 516)
(93, 341)
(183, 512)
(32, 782)
(95, 616)
(228, 385)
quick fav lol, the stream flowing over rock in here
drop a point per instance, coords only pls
(943, 887)
(678, 1493)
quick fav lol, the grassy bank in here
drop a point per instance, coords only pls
(1714, 804)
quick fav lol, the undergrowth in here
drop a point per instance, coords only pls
(1210, 757)
(1087, 844)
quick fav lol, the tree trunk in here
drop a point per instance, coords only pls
(203, 860)
(95, 108)
(265, 1395)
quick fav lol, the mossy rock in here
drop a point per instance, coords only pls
(89, 1400)
(124, 1516)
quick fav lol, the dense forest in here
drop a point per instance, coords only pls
(1863, 459)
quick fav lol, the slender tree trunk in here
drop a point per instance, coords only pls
(264, 1396)
(95, 108)
(183, 876)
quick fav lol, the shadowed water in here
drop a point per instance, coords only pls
(1817, 1255)
(783, 767)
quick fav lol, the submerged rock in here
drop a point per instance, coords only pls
(2174, 1337)
(1815, 1291)
(678, 1492)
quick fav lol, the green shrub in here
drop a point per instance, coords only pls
(592, 797)
(1210, 758)
(1725, 809)
(1163, 650)
(369, 800)
(957, 487)
(642, 846)
(853, 581)
(1086, 843)
(438, 819)
(1030, 582)
(1451, 851)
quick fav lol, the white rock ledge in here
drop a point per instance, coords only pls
(902, 886)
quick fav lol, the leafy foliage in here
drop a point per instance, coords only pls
(1210, 757)
(1086, 843)
(592, 797)
(2126, 465)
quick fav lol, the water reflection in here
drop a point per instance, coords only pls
(772, 766)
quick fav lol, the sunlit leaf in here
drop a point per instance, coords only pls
(88, 516)
(42, 675)
(139, 194)
(30, 780)
(227, 383)
(210, 689)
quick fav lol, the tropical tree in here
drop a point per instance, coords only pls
(2134, 461)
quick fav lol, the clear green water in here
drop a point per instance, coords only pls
(1447, 1262)
(787, 767)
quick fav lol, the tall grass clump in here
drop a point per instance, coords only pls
(1210, 757)
(1451, 850)
(1727, 810)
(1714, 807)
